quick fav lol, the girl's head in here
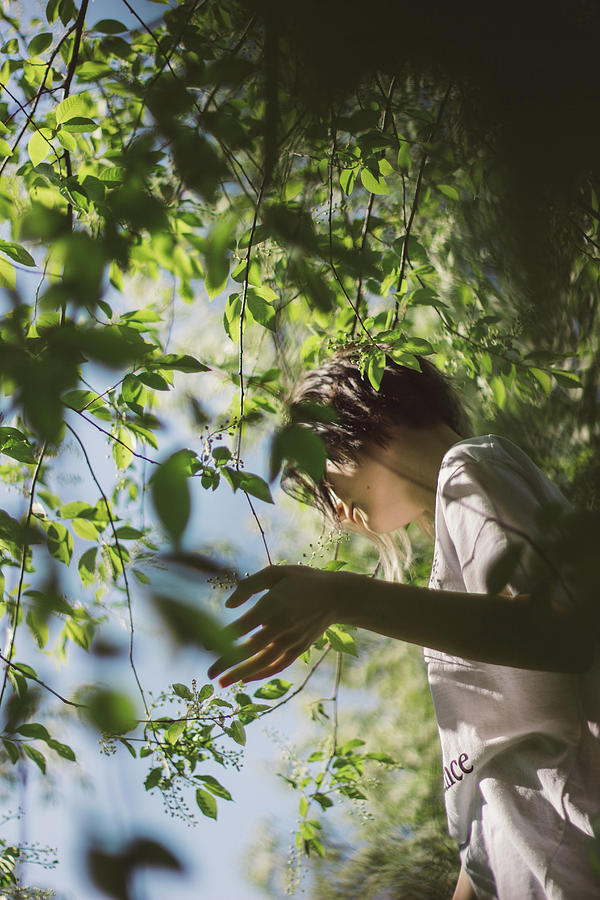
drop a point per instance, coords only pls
(357, 425)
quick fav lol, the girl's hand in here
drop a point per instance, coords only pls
(300, 604)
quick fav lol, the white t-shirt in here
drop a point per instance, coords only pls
(521, 748)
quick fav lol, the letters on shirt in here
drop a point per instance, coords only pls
(456, 770)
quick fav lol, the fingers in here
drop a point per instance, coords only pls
(260, 581)
(274, 658)
(245, 670)
(277, 666)
(255, 644)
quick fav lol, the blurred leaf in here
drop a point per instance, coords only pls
(299, 445)
(171, 494)
(111, 711)
(7, 274)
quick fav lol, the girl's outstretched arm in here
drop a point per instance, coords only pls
(301, 603)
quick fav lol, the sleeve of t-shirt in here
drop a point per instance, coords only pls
(491, 510)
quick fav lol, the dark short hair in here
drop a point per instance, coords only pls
(360, 415)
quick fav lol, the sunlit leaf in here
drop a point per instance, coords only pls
(206, 803)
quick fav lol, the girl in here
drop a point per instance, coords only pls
(512, 666)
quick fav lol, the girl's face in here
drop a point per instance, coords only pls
(373, 493)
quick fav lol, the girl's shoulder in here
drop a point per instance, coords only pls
(485, 448)
(498, 466)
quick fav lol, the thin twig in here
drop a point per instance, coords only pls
(415, 204)
(41, 90)
(113, 437)
(260, 528)
(123, 569)
(39, 681)
(25, 548)
(242, 316)
(332, 265)
(367, 219)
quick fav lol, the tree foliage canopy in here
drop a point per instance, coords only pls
(290, 178)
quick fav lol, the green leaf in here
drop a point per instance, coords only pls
(174, 731)
(181, 690)
(236, 731)
(206, 691)
(79, 125)
(11, 46)
(340, 640)
(12, 750)
(127, 533)
(404, 160)
(39, 43)
(154, 380)
(565, 378)
(70, 107)
(18, 253)
(7, 274)
(372, 184)
(206, 803)
(416, 345)
(180, 362)
(153, 777)
(543, 378)
(123, 448)
(276, 688)
(214, 786)
(34, 730)
(85, 529)
(376, 368)
(262, 312)
(255, 485)
(62, 749)
(109, 26)
(498, 390)
(348, 746)
(5, 148)
(34, 754)
(38, 627)
(218, 243)
(87, 566)
(448, 191)
(14, 444)
(347, 179)
(76, 509)
(60, 542)
(66, 140)
(129, 747)
(39, 146)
